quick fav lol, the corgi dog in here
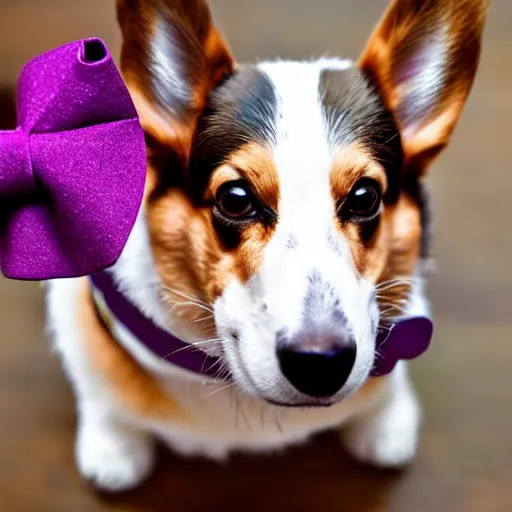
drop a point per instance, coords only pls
(284, 222)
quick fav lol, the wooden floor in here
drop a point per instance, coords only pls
(465, 381)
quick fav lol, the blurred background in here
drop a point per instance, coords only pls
(465, 381)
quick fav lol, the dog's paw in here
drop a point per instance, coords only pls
(388, 436)
(113, 457)
(383, 444)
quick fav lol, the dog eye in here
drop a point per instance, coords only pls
(363, 201)
(236, 202)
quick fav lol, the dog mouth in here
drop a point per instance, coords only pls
(309, 404)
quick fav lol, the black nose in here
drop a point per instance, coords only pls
(318, 374)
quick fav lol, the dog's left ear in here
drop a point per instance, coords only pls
(423, 58)
(172, 56)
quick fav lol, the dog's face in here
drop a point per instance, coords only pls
(283, 195)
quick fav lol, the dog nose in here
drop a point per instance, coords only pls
(317, 373)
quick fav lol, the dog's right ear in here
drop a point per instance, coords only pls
(172, 56)
(423, 58)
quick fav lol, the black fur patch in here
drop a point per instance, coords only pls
(230, 234)
(419, 193)
(368, 229)
(355, 113)
(243, 109)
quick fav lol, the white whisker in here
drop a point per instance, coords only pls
(219, 390)
(396, 312)
(397, 304)
(244, 416)
(278, 423)
(395, 283)
(191, 346)
(186, 296)
(190, 303)
(203, 319)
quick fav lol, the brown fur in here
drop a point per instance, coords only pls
(350, 164)
(188, 254)
(255, 164)
(394, 249)
(404, 27)
(401, 249)
(206, 60)
(135, 390)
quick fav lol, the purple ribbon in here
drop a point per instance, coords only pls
(72, 174)
(71, 183)
(158, 341)
(406, 339)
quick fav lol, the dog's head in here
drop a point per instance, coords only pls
(281, 196)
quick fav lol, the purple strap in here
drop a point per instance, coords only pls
(162, 343)
(406, 339)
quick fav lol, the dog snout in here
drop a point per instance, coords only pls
(318, 364)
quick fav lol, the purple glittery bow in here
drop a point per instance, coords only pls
(72, 174)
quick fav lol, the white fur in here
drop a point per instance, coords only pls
(136, 276)
(167, 64)
(424, 86)
(113, 446)
(230, 419)
(112, 453)
(388, 435)
(108, 450)
(273, 300)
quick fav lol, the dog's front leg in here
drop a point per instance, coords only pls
(387, 435)
(111, 450)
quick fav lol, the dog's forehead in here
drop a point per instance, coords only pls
(329, 104)
(301, 111)
(300, 90)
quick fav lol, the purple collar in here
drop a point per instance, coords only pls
(406, 339)
(157, 340)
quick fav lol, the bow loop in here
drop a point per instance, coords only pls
(16, 178)
(72, 175)
(72, 86)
